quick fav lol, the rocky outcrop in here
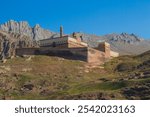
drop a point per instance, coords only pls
(138, 92)
(124, 37)
(10, 41)
(23, 28)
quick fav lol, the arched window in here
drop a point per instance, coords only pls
(54, 44)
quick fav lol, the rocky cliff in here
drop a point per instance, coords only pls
(10, 41)
(23, 28)
(18, 35)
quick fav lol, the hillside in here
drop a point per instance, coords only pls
(135, 69)
(44, 77)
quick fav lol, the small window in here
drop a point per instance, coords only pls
(54, 44)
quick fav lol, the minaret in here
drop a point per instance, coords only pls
(61, 31)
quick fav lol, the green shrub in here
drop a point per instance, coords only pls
(128, 66)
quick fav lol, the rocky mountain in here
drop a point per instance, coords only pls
(23, 28)
(123, 43)
(10, 41)
(20, 34)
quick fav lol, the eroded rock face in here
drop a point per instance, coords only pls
(39, 33)
(20, 35)
(23, 28)
(10, 41)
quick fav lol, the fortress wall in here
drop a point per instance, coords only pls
(73, 53)
(75, 45)
(85, 53)
(61, 41)
(80, 53)
(65, 45)
(57, 41)
(105, 47)
(114, 54)
(26, 51)
(95, 56)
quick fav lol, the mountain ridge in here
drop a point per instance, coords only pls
(23, 27)
(125, 44)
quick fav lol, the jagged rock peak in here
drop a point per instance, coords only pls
(10, 41)
(37, 26)
(23, 27)
(124, 37)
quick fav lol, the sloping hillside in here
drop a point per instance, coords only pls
(44, 77)
(135, 69)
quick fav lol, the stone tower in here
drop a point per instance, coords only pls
(105, 47)
(61, 31)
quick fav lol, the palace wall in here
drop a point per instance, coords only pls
(70, 48)
(95, 56)
(71, 53)
(84, 54)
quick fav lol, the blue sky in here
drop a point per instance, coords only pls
(90, 16)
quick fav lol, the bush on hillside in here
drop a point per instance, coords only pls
(122, 67)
